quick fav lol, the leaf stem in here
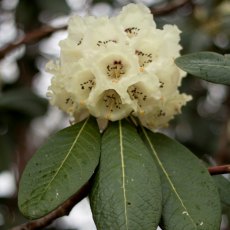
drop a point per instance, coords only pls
(221, 169)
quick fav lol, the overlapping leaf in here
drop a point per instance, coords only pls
(223, 185)
(126, 193)
(190, 198)
(208, 66)
(59, 169)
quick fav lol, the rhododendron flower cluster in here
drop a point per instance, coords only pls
(117, 67)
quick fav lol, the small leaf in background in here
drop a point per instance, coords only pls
(208, 66)
(23, 101)
(190, 197)
(126, 193)
(59, 169)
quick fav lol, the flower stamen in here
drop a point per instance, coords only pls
(112, 102)
(115, 70)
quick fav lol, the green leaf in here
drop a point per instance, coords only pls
(126, 193)
(190, 197)
(59, 169)
(223, 185)
(23, 101)
(208, 66)
(59, 6)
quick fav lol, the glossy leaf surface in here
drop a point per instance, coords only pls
(208, 66)
(126, 193)
(190, 197)
(59, 169)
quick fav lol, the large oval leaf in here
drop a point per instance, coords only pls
(126, 193)
(208, 66)
(190, 198)
(59, 169)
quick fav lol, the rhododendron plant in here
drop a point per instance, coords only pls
(120, 71)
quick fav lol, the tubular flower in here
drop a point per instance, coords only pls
(115, 67)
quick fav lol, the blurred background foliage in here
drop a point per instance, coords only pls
(26, 119)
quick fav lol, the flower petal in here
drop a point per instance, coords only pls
(163, 111)
(135, 18)
(110, 105)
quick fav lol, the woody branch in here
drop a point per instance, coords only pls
(45, 30)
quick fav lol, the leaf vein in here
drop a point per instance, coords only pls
(167, 176)
(123, 173)
(64, 160)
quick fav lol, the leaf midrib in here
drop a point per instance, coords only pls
(64, 160)
(206, 65)
(167, 176)
(123, 172)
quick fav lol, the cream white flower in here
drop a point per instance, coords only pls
(135, 20)
(117, 67)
